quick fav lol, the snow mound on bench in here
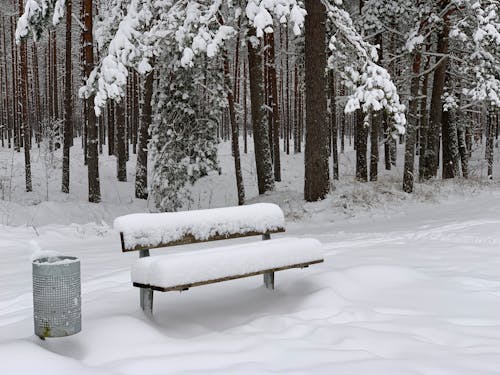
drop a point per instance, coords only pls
(153, 229)
(203, 265)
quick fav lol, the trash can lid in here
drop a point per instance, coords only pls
(55, 260)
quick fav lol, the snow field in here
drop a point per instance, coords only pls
(414, 294)
(410, 283)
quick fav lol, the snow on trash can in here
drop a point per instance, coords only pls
(57, 296)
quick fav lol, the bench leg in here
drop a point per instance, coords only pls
(147, 301)
(269, 280)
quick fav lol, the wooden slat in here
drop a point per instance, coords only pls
(190, 239)
(227, 278)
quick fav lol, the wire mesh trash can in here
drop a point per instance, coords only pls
(57, 296)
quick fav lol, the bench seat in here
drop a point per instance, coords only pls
(181, 271)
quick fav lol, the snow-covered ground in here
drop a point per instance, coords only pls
(410, 285)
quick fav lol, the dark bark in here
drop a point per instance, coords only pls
(68, 103)
(411, 128)
(25, 130)
(92, 141)
(424, 126)
(275, 108)
(265, 178)
(121, 141)
(462, 148)
(317, 180)
(111, 128)
(387, 142)
(55, 77)
(374, 152)
(234, 132)
(141, 174)
(360, 142)
(431, 155)
(490, 137)
(245, 111)
(334, 127)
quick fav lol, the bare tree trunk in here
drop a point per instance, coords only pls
(275, 107)
(135, 102)
(334, 127)
(15, 89)
(462, 147)
(317, 180)
(234, 132)
(93, 155)
(490, 137)
(55, 76)
(36, 94)
(245, 109)
(25, 131)
(111, 128)
(121, 141)
(68, 103)
(360, 142)
(265, 176)
(411, 128)
(431, 155)
(377, 118)
(141, 174)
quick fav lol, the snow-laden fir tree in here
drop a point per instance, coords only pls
(188, 105)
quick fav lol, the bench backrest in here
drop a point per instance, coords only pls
(153, 230)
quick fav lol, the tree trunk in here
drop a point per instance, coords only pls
(490, 136)
(68, 103)
(462, 147)
(360, 142)
(275, 107)
(111, 128)
(265, 178)
(245, 109)
(451, 154)
(234, 132)
(121, 141)
(431, 155)
(411, 128)
(55, 76)
(141, 174)
(424, 127)
(377, 119)
(92, 141)
(25, 131)
(317, 180)
(334, 127)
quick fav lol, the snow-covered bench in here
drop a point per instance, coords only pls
(184, 270)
